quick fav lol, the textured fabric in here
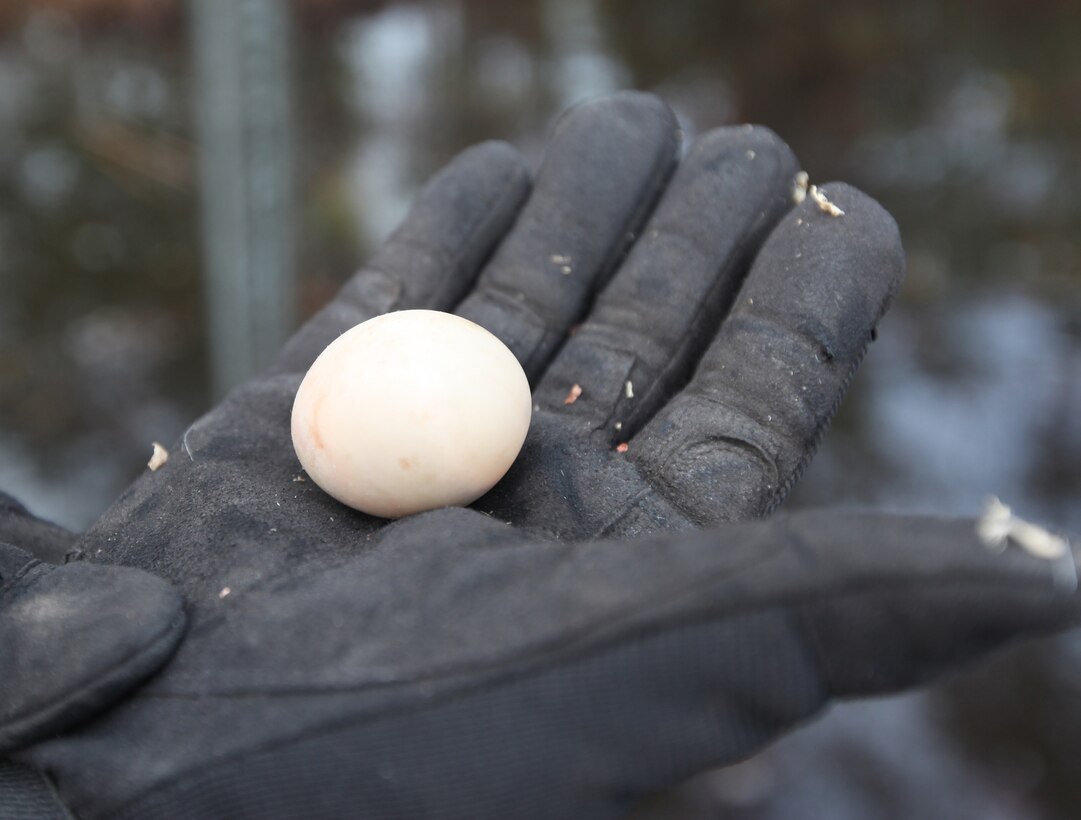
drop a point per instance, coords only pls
(25, 795)
(592, 630)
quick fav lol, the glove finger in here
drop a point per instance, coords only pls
(432, 258)
(74, 639)
(640, 662)
(663, 306)
(607, 162)
(735, 440)
(567, 597)
(44, 540)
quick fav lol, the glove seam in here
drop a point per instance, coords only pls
(811, 447)
(816, 438)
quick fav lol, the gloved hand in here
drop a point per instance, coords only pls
(575, 641)
(105, 627)
(74, 639)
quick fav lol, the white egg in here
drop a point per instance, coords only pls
(411, 411)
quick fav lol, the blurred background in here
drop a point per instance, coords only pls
(182, 182)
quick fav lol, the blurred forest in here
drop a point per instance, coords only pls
(961, 118)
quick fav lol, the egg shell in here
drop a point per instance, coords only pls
(411, 411)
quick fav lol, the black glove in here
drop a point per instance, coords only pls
(450, 665)
(76, 638)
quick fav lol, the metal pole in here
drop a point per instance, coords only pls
(243, 107)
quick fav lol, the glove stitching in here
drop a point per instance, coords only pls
(620, 516)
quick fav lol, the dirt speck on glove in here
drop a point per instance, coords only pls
(158, 457)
